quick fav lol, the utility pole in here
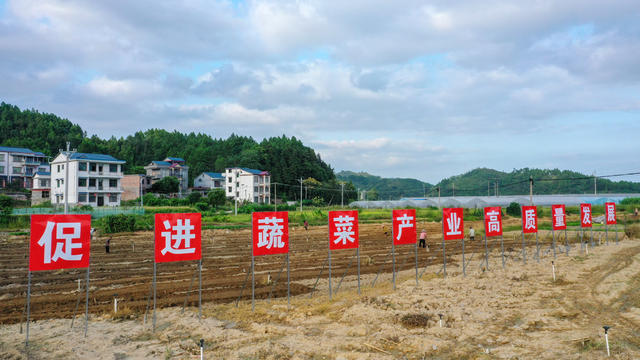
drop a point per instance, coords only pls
(488, 183)
(300, 194)
(275, 200)
(454, 189)
(531, 190)
(66, 177)
(595, 184)
(439, 197)
(424, 191)
(342, 194)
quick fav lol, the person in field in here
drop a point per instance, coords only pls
(306, 225)
(107, 245)
(472, 233)
(423, 239)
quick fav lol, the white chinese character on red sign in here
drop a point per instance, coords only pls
(454, 224)
(183, 232)
(270, 232)
(586, 215)
(530, 219)
(63, 250)
(344, 229)
(405, 222)
(494, 223)
(559, 216)
(611, 213)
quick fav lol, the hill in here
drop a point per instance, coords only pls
(385, 188)
(287, 158)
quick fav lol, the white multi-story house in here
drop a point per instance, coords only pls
(248, 185)
(170, 166)
(19, 165)
(41, 190)
(208, 181)
(94, 179)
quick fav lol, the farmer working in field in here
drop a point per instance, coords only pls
(472, 233)
(423, 239)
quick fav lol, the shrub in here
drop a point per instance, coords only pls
(194, 197)
(514, 209)
(119, 223)
(6, 208)
(216, 197)
(202, 206)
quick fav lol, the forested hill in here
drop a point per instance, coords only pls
(483, 181)
(379, 188)
(286, 158)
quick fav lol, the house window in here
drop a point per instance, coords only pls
(113, 198)
(1, 157)
(43, 183)
(17, 170)
(113, 183)
(92, 182)
(92, 197)
(93, 167)
(82, 166)
(17, 158)
(45, 194)
(1, 169)
(255, 189)
(113, 168)
(82, 197)
(230, 189)
(82, 182)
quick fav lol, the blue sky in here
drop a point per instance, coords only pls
(423, 89)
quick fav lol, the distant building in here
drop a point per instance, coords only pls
(94, 179)
(248, 185)
(208, 181)
(41, 190)
(170, 166)
(19, 165)
(134, 186)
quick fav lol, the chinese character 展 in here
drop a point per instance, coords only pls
(530, 219)
(559, 216)
(493, 223)
(63, 249)
(586, 215)
(611, 213)
(182, 233)
(453, 223)
(405, 222)
(344, 229)
(270, 232)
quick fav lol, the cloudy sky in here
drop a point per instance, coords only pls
(423, 89)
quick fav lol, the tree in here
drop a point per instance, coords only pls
(6, 208)
(166, 185)
(216, 197)
(194, 197)
(514, 209)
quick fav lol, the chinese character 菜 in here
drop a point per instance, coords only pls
(344, 229)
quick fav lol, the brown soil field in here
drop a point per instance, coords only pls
(516, 312)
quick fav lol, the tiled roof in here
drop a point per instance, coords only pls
(95, 157)
(162, 163)
(20, 150)
(175, 159)
(43, 173)
(214, 175)
(254, 171)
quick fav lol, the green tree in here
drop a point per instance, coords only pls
(514, 209)
(166, 185)
(6, 208)
(216, 197)
(194, 197)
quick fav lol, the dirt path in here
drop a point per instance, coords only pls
(519, 312)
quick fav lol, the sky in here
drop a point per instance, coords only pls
(416, 89)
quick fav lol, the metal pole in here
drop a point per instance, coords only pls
(502, 246)
(616, 230)
(531, 190)
(393, 252)
(200, 289)
(275, 201)
(86, 305)
(300, 194)
(486, 252)
(358, 256)
(329, 254)
(416, 248)
(66, 180)
(524, 253)
(342, 195)
(444, 254)
(288, 284)
(439, 203)
(154, 294)
(606, 230)
(253, 276)
(566, 241)
(26, 343)
(553, 234)
(464, 270)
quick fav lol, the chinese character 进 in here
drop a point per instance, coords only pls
(64, 249)
(270, 232)
(182, 233)
(344, 229)
(405, 222)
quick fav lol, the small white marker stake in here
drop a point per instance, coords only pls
(606, 338)
(587, 247)
(553, 269)
(201, 349)
(115, 303)
(78, 285)
(440, 319)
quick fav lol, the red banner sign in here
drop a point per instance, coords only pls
(453, 224)
(404, 226)
(493, 221)
(270, 233)
(610, 213)
(178, 237)
(586, 219)
(558, 217)
(59, 242)
(529, 219)
(343, 230)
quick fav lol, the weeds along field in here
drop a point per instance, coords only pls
(127, 270)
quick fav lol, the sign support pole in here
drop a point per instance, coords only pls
(553, 234)
(200, 288)
(486, 252)
(393, 252)
(416, 248)
(26, 343)
(591, 232)
(288, 283)
(524, 251)
(566, 241)
(154, 294)
(253, 276)
(444, 254)
(358, 256)
(606, 229)
(329, 256)
(502, 246)
(616, 229)
(537, 247)
(86, 304)
(464, 270)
